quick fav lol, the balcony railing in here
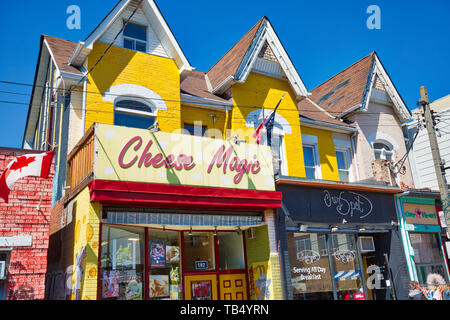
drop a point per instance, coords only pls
(80, 161)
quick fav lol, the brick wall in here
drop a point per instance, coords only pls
(27, 265)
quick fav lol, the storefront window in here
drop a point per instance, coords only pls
(310, 266)
(164, 265)
(231, 251)
(199, 251)
(122, 263)
(427, 255)
(347, 271)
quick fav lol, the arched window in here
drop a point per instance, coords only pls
(382, 150)
(134, 112)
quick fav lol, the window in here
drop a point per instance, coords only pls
(231, 251)
(343, 161)
(427, 255)
(311, 163)
(195, 130)
(382, 151)
(133, 113)
(277, 149)
(122, 263)
(199, 251)
(135, 37)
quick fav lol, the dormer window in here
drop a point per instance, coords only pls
(135, 37)
(382, 151)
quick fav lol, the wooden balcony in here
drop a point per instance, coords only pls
(80, 162)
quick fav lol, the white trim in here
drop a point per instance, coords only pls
(382, 137)
(183, 64)
(255, 118)
(339, 143)
(267, 33)
(309, 139)
(308, 143)
(133, 91)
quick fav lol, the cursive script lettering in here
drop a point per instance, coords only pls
(348, 202)
(222, 158)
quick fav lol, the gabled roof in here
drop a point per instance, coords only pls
(237, 63)
(157, 22)
(195, 84)
(344, 90)
(62, 50)
(230, 62)
(350, 89)
(312, 111)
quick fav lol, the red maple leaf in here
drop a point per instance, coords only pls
(22, 162)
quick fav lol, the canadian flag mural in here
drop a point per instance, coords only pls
(36, 165)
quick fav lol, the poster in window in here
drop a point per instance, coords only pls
(172, 254)
(158, 253)
(159, 286)
(201, 290)
(110, 284)
(133, 289)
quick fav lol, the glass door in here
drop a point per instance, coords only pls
(346, 267)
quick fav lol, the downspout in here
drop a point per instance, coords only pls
(354, 154)
(83, 113)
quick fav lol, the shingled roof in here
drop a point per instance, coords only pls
(229, 63)
(62, 50)
(344, 90)
(195, 84)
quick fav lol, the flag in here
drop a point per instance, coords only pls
(258, 132)
(268, 124)
(36, 165)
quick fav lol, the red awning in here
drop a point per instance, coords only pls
(124, 193)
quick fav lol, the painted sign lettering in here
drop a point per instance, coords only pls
(308, 256)
(348, 203)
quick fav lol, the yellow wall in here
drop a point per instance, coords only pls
(327, 152)
(260, 90)
(191, 115)
(86, 235)
(122, 66)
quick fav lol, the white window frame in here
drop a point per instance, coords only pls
(383, 152)
(280, 133)
(347, 158)
(134, 40)
(132, 111)
(312, 142)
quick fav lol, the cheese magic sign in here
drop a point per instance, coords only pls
(128, 154)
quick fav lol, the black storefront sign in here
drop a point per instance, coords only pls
(350, 209)
(326, 205)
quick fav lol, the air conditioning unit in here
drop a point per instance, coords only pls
(366, 244)
(251, 233)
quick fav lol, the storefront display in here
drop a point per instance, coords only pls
(422, 237)
(341, 241)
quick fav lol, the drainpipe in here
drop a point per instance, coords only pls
(83, 107)
(354, 154)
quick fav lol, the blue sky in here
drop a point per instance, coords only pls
(321, 37)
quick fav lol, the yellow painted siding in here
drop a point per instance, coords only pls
(327, 152)
(86, 235)
(122, 66)
(192, 115)
(258, 91)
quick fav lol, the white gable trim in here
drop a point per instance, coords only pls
(399, 106)
(267, 33)
(158, 24)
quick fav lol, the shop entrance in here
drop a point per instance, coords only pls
(214, 266)
(161, 263)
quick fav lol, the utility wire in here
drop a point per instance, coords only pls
(109, 46)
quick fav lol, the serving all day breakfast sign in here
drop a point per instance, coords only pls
(128, 154)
